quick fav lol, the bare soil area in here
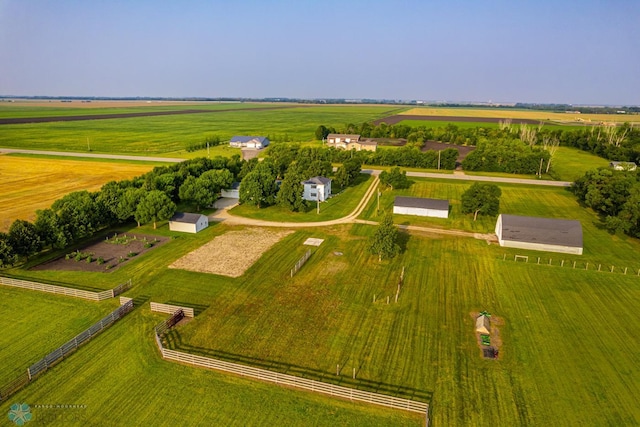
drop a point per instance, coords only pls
(106, 254)
(232, 253)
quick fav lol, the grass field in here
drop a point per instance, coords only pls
(524, 114)
(465, 125)
(569, 164)
(169, 135)
(31, 183)
(40, 323)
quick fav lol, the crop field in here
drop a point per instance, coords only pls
(35, 323)
(30, 183)
(524, 114)
(169, 135)
(464, 124)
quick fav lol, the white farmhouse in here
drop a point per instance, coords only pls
(256, 142)
(188, 222)
(540, 234)
(421, 207)
(316, 188)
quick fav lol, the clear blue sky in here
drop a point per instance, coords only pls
(579, 52)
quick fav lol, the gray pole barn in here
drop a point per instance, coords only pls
(540, 234)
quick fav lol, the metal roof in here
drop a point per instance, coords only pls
(548, 231)
(343, 136)
(418, 202)
(245, 139)
(318, 180)
(188, 218)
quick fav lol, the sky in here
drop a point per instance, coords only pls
(573, 52)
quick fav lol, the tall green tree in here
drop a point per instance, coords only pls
(7, 255)
(128, 203)
(290, 193)
(481, 198)
(153, 207)
(49, 229)
(259, 187)
(384, 241)
(24, 238)
(395, 178)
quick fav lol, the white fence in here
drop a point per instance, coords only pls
(170, 309)
(62, 290)
(300, 262)
(285, 379)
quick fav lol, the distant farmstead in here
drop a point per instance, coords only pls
(421, 207)
(316, 188)
(350, 142)
(540, 234)
(188, 222)
(257, 142)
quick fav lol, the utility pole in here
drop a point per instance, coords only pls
(378, 209)
(439, 159)
(318, 199)
(540, 170)
(88, 146)
(208, 149)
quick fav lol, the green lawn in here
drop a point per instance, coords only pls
(339, 205)
(39, 324)
(569, 164)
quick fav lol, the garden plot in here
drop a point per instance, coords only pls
(232, 253)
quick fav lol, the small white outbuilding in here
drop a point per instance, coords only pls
(188, 222)
(421, 207)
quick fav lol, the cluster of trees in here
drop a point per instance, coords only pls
(146, 199)
(291, 164)
(614, 195)
(505, 155)
(395, 179)
(209, 141)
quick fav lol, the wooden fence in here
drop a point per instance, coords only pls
(284, 379)
(572, 264)
(170, 309)
(61, 352)
(62, 290)
(300, 262)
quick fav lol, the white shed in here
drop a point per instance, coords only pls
(188, 222)
(316, 188)
(421, 207)
(540, 234)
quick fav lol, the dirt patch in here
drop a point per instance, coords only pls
(232, 253)
(105, 255)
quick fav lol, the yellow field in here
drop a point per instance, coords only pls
(28, 184)
(525, 114)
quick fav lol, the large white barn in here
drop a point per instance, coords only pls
(540, 234)
(188, 222)
(437, 208)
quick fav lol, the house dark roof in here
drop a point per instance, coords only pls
(418, 202)
(188, 218)
(234, 186)
(245, 139)
(548, 231)
(318, 180)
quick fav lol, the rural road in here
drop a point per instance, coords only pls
(91, 155)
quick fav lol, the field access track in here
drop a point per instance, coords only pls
(392, 120)
(25, 120)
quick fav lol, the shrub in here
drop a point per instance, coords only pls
(100, 260)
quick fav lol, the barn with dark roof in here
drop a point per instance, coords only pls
(540, 234)
(421, 206)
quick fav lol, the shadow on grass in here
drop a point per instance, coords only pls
(173, 340)
(197, 308)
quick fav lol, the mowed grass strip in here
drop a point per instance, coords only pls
(36, 323)
(569, 164)
(120, 378)
(29, 184)
(522, 114)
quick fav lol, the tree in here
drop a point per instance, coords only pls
(321, 132)
(384, 241)
(128, 203)
(342, 177)
(49, 229)
(154, 206)
(79, 215)
(23, 238)
(481, 198)
(291, 189)
(7, 255)
(259, 187)
(192, 190)
(395, 179)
